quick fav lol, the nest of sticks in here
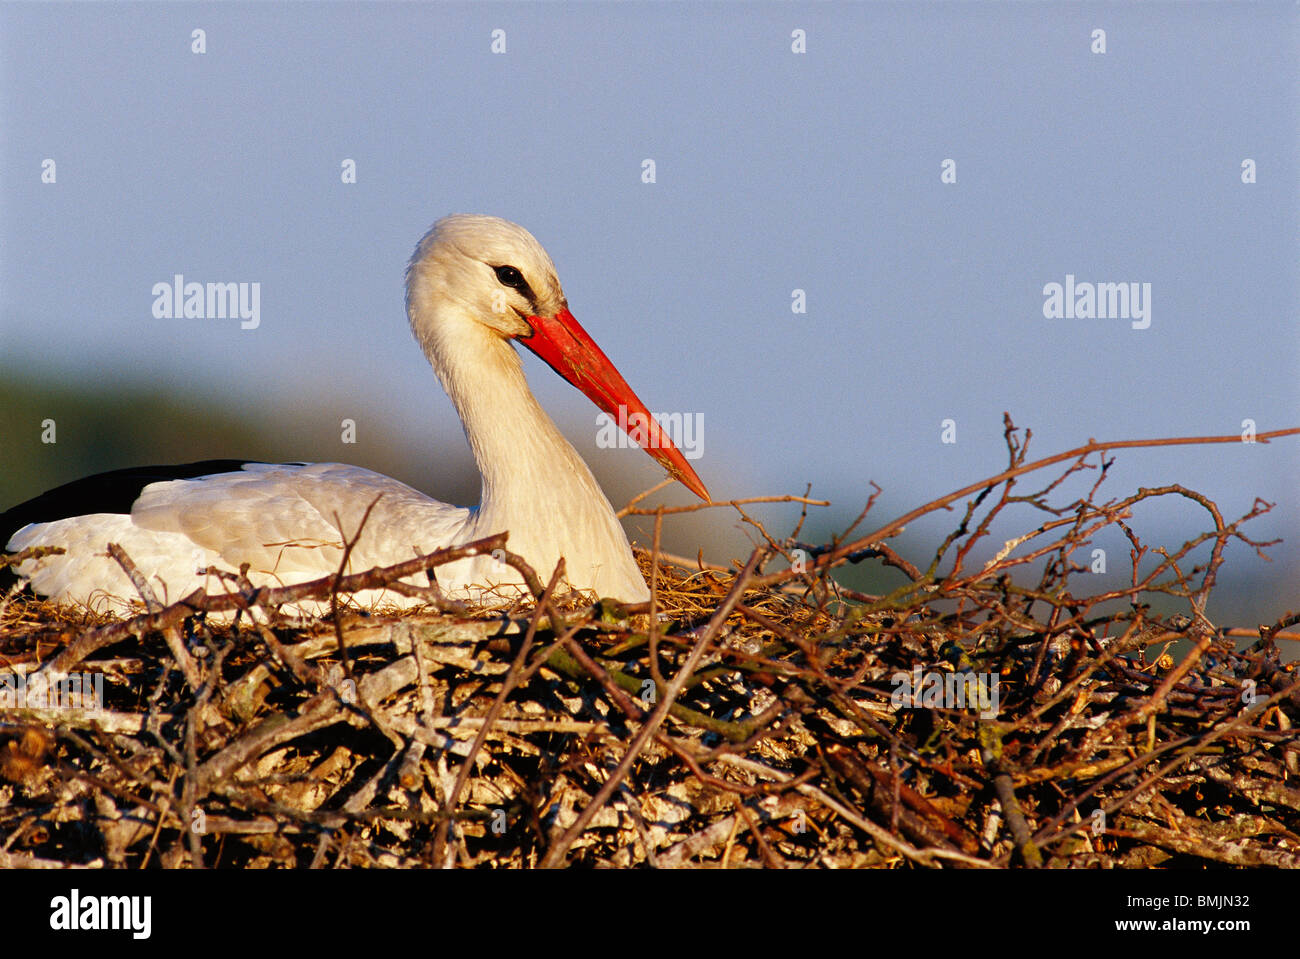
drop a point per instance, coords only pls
(754, 715)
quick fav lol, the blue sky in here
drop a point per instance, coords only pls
(774, 171)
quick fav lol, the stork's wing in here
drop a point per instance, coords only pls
(291, 519)
(289, 522)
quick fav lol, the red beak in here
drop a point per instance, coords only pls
(567, 349)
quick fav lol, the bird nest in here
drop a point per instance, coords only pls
(756, 715)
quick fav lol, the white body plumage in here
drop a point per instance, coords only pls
(474, 284)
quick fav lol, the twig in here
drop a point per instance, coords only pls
(555, 855)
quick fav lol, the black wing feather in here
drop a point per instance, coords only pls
(112, 492)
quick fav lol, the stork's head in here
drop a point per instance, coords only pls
(492, 269)
(473, 275)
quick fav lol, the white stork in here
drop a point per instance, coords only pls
(473, 285)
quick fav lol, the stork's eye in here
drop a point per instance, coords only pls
(511, 277)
